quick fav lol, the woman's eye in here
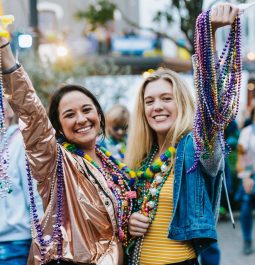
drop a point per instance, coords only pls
(70, 115)
(148, 102)
(167, 98)
(86, 110)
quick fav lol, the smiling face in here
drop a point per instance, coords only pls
(79, 119)
(160, 106)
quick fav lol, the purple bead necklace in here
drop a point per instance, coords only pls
(217, 88)
(45, 241)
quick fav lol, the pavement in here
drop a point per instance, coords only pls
(231, 244)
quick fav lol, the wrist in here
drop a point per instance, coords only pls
(4, 45)
(12, 69)
(8, 59)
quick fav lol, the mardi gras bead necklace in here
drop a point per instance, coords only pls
(149, 188)
(46, 240)
(217, 88)
(149, 191)
(123, 167)
(158, 165)
(113, 172)
(5, 183)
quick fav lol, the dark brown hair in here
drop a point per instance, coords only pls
(54, 104)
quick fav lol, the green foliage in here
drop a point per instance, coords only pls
(188, 11)
(97, 15)
(47, 76)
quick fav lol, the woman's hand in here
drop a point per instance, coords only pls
(138, 224)
(222, 15)
(8, 59)
(248, 184)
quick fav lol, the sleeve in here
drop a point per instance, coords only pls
(37, 131)
(21, 166)
(215, 162)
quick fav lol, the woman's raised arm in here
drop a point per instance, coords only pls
(37, 131)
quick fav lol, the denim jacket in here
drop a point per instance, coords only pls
(196, 196)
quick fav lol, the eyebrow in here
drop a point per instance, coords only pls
(70, 110)
(163, 94)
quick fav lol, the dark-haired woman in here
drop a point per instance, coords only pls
(86, 194)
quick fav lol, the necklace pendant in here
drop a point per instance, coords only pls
(163, 168)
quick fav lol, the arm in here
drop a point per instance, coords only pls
(37, 131)
(215, 87)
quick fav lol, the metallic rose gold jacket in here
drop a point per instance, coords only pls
(89, 217)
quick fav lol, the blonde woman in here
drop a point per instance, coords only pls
(177, 211)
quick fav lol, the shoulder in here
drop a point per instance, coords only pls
(187, 140)
(186, 146)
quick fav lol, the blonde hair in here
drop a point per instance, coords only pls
(117, 114)
(141, 136)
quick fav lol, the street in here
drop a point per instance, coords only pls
(231, 244)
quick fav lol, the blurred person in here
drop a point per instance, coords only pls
(15, 229)
(117, 118)
(86, 194)
(246, 172)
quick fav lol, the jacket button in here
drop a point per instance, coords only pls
(106, 202)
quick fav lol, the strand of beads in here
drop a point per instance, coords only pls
(121, 190)
(151, 194)
(217, 89)
(137, 251)
(45, 241)
(149, 187)
(5, 183)
(122, 187)
(123, 167)
(158, 165)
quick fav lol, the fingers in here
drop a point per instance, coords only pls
(224, 14)
(220, 12)
(137, 231)
(139, 217)
(138, 224)
(136, 234)
(233, 13)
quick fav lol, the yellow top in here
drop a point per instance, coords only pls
(157, 249)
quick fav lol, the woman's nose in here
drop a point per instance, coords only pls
(81, 118)
(157, 105)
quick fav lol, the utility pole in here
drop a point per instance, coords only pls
(34, 23)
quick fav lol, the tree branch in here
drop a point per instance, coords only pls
(161, 34)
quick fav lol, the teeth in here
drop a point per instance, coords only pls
(160, 117)
(84, 129)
